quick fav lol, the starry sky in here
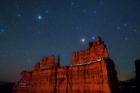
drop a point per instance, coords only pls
(32, 29)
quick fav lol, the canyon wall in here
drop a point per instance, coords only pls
(91, 71)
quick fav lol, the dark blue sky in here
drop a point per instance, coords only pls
(32, 29)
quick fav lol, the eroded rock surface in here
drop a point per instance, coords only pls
(91, 71)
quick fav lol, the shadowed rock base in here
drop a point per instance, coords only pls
(91, 71)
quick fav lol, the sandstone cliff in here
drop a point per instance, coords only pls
(91, 71)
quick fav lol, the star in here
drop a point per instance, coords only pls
(47, 11)
(72, 3)
(101, 2)
(39, 17)
(39, 32)
(2, 30)
(125, 38)
(29, 60)
(83, 40)
(135, 30)
(84, 10)
(118, 28)
(19, 15)
(94, 12)
(77, 27)
(125, 24)
(93, 37)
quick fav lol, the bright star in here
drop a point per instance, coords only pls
(39, 17)
(83, 40)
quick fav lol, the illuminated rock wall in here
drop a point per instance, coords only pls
(91, 71)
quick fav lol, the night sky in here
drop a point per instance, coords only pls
(32, 29)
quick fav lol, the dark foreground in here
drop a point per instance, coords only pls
(6, 87)
(125, 87)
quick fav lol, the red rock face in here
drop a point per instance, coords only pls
(91, 71)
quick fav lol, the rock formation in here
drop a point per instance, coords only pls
(91, 71)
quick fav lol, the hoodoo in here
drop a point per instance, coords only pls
(91, 71)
